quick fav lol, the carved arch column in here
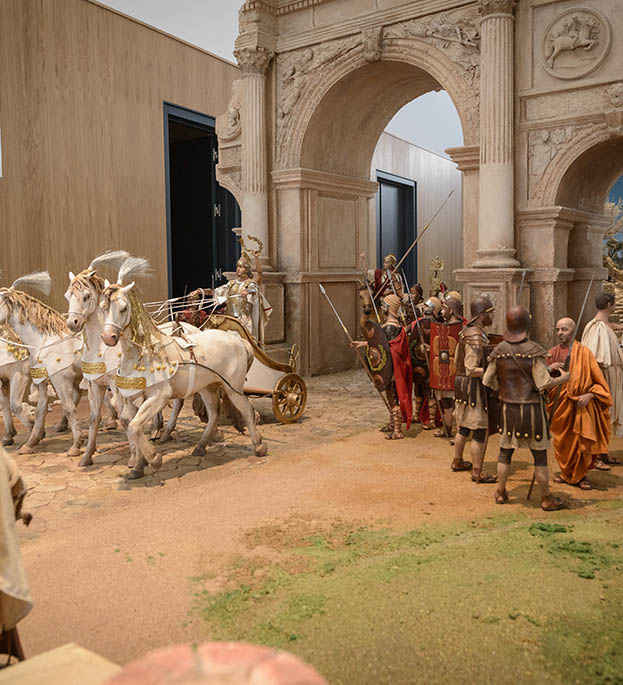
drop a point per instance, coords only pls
(496, 235)
(253, 62)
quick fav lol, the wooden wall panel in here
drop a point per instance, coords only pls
(81, 115)
(435, 176)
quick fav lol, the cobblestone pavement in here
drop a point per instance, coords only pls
(338, 405)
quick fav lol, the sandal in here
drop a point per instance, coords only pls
(501, 497)
(552, 503)
(608, 459)
(387, 428)
(600, 466)
(484, 477)
(583, 484)
(461, 465)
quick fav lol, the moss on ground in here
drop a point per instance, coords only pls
(502, 600)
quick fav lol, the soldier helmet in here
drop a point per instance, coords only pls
(480, 305)
(393, 304)
(455, 294)
(454, 305)
(517, 323)
(391, 260)
(432, 306)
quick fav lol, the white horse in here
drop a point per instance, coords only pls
(158, 366)
(99, 362)
(14, 382)
(53, 352)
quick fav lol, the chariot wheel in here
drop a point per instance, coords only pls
(289, 398)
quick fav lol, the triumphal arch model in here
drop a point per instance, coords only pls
(538, 86)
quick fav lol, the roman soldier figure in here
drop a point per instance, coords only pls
(382, 286)
(471, 404)
(443, 344)
(517, 370)
(398, 391)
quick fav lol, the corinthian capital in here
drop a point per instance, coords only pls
(253, 60)
(488, 7)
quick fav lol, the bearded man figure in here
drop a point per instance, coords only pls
(517, 370)
(602, 341)
(581, 420)
(471, 406)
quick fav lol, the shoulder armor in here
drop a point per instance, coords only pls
(528, 349)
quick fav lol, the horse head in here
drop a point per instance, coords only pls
(83, 297)
(365, 299)
(117, 307)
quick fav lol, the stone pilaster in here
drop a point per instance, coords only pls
(467, 159)
(496, 222)
(253, 62)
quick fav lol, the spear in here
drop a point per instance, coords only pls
(365, 280)
(565, 368)
(350, 341)
(415, 242)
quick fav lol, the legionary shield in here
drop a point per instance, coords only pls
(378, 355)
(444, 338)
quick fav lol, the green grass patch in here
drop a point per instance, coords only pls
(502, 600)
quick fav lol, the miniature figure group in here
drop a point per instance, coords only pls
(436, 368)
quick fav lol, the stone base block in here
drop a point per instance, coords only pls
(501, 286)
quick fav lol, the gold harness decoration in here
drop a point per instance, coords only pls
(40, 372)
(131, 382)
(93, 367)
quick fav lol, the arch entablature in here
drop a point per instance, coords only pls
(314, 81)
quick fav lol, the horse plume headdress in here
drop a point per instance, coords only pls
(31, 309)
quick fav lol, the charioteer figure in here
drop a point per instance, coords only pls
(243, 297)
(471, 402)
(518, 371)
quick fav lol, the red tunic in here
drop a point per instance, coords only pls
(403, 374)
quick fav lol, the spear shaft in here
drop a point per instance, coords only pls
(350, 340)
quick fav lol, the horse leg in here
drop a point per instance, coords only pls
(156, 426)
(175, 412)
(67, 395)
(5, 410)
(96, 399)
(111, 403)
(63, 425)
(243, 405)
(210, 399)
(37, 431)
(143, 448)
(19, 388)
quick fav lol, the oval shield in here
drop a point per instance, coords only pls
(378, 355)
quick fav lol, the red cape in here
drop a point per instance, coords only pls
(403, 374)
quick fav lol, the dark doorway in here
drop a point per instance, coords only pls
(396, 221)
(200, 214)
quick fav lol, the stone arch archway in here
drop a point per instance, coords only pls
(569, 224)
(325, 136)
(347, 105)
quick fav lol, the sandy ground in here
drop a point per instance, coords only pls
(111, 564)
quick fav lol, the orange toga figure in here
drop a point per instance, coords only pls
(581, 423)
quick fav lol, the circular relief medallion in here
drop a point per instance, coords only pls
(575, 43)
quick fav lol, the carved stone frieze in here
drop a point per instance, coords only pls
(229, 125)
(253, 60)
(371, 44)
(575, 43)
(295, 69)
(614, 117)
(615, 95)
(488, 7)
(544, 145)
(454, 33)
